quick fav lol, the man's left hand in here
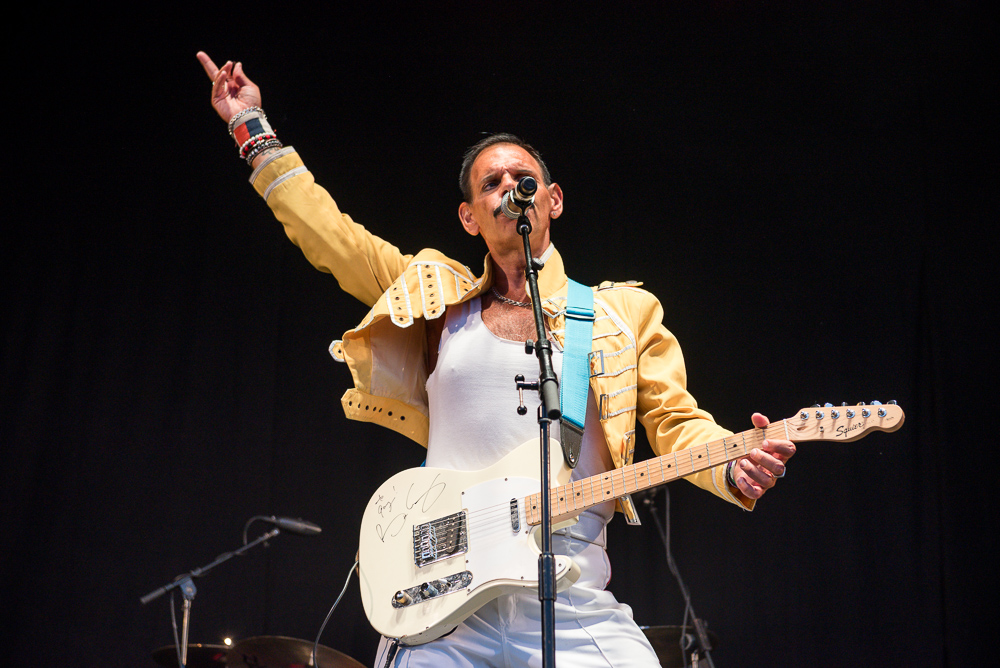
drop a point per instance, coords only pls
(759, 471)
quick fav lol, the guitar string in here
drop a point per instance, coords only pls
(564, 497)
(713, 450)
(717, 449)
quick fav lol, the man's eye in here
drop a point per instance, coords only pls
(490, 185)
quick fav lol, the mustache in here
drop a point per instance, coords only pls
(498, 210)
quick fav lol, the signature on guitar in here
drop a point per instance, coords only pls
(395, 524)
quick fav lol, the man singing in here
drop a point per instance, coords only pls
(441, 346)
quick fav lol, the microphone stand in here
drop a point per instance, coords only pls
(548, 390)
(704, 645)
(186, 583)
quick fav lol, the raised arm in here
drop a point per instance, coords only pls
(364, 264)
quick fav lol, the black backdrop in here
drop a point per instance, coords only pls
(810, 193)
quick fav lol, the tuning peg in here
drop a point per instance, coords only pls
(876, 403)
(865, 412)
(892, 402)
(828, 405)
(815, 406)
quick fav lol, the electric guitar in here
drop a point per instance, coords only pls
(437, 544)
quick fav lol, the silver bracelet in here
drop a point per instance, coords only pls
(257, 150)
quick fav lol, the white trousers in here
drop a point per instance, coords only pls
(593, 630)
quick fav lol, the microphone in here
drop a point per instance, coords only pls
(300, 526)
(520, 198)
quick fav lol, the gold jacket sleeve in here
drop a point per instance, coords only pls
(667, 411)
(329, 239)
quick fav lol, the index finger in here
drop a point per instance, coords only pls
(210, 69)
(780, 448)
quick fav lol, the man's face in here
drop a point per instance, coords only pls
(495, 172)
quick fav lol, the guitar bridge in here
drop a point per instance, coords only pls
(441, 539)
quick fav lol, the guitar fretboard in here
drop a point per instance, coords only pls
(572, 499)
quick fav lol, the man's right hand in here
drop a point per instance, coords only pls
(232, 91)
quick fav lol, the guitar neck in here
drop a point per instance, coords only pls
(830, 423)
(572, 499)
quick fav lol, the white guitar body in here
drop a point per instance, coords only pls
(399, 552)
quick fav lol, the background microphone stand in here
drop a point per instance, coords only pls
(703, 645)
(548, 390)
(186, 583)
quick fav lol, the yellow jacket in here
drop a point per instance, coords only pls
(643, 376)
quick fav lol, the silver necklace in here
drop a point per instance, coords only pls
(509, 301)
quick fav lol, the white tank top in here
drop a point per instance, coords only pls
(473, 402)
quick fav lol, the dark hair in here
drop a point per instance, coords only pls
(499, 138)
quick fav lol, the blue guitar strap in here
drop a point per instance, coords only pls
(575, 382)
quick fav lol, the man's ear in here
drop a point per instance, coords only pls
(556, 195)
(468, 222)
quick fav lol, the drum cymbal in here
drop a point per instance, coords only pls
(666, 642)
(198, 656)
(282, 652)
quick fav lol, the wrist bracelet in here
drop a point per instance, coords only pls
(260, 148)
(729, 474)
(253, 142)
(252, 132)
(246, 112)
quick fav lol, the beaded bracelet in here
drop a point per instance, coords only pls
(254, 141)
(260, 148)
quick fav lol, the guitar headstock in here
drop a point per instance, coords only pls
(843, 423)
